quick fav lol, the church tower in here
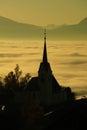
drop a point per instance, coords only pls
(45, 87)
(45, 77)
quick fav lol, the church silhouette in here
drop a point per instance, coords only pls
(45, 86)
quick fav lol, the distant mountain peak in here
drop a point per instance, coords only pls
(84, 21)
(6, 20)
(12, 29)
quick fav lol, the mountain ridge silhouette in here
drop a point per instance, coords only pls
(13, 29)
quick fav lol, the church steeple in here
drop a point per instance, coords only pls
(45, 49)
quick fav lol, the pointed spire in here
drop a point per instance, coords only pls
(45, 49)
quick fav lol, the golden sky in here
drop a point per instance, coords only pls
(44, 12)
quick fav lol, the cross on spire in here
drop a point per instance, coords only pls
(45, 49)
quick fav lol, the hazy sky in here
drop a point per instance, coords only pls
(44, 12)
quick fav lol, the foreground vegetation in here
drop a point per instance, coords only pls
(29, 114)
(14, 80)
(17, 110)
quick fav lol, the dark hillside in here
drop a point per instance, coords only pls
(69, 116)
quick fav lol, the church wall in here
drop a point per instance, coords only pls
(59, 97)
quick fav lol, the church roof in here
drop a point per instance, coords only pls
(33, 84)
(55, 85)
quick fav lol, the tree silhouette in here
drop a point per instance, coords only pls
(24, 81)
(10, 80)
(1, 82)
(14, 79)
(17, 73)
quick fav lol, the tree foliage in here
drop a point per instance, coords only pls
(14, 79)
